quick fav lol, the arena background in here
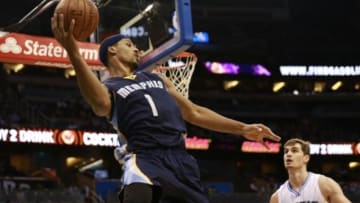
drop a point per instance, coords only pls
(317, 41)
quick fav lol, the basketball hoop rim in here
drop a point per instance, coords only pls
(180, 72)
(191, 56)
(186, 54)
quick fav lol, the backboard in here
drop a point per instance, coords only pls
(161, 28)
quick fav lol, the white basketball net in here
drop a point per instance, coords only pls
(179, 70)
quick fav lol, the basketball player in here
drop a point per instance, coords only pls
(304, 186)
(149, 112)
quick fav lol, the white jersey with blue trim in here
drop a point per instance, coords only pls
(309, 191)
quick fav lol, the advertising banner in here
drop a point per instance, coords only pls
(78, 138)
(60, 137)
(43, 51)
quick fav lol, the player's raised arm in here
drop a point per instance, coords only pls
(211, 120)
(93, 91)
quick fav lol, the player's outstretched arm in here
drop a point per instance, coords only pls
(93, 91)
(332, 190)
(211, 120)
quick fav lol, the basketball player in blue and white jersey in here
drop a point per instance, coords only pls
(304, 186)
(148, 110)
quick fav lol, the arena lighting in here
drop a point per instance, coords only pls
(336, 85)
(222, 67)
(354, 164)
(236, 69)
(92, 165)
(9, 67)
(201, 37)
(278, 86)
(71, 161)
(230, 84)
(357, 86)
(69, 73)
(319, 86)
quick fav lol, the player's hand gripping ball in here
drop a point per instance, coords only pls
(84, 12)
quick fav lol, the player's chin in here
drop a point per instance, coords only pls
(288, 166)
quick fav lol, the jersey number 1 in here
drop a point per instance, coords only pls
(152, 105)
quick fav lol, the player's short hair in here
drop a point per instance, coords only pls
(305, 145)
(105, 44)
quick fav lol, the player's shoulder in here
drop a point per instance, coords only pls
(326, 184)
(316, 176)
(156, 74)
(150, 75)
(275, 197)
(111, 83)
(323, 179)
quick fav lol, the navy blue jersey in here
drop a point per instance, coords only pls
(144, 112)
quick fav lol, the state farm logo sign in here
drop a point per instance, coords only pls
(10, 45)
(43, 49)
(27, 49)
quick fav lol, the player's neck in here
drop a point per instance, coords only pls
(297, 177)
(120, 70)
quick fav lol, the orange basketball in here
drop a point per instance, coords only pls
(84, 12)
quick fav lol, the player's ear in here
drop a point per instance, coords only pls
(111, 49)
(306, 158)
